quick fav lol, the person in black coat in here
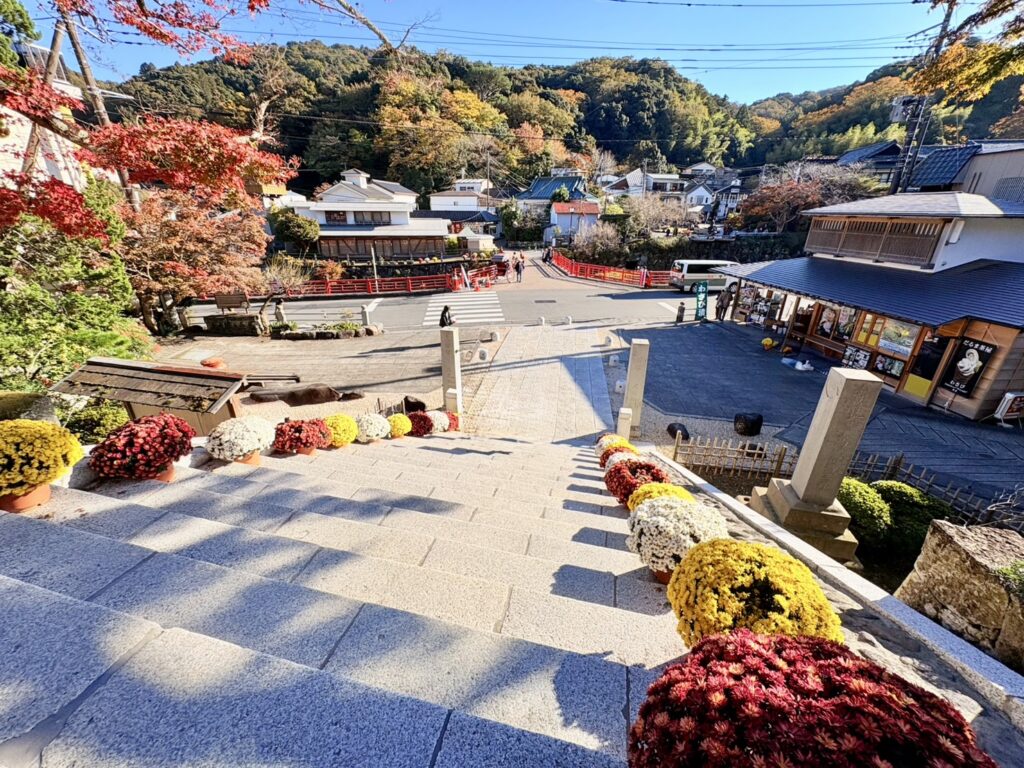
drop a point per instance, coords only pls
(446, 317)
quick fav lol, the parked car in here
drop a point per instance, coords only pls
(686, 272)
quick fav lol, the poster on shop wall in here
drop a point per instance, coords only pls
(966, 366)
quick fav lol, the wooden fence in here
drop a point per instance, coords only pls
(758, 462)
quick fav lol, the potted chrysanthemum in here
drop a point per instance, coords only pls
(241, 440)
(303, 436)
(32, 455)
(664, 528)
(144, 449)
(372, 427)
(439, 419)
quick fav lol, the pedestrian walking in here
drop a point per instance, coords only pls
(722, 304)
(520, 266)
(446, 317)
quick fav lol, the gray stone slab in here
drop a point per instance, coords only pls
(598, 558)
(350, 536)
(579, 583)
(186, 700)
(640, 593)
(570, 530)
(619, 635)
(274, 557)
(470, 602)
(379, 496)
(102, 515)
(323, 504)
(62, 559)
(282, 619)
(54, 647)
(230, 510)
(543, 690)
(471, 741)
(457, 530)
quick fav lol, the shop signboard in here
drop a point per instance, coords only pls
(898, 337)
(889, 366)
(701, 289)
(1011, 407)
(966, 366)
(855, 357)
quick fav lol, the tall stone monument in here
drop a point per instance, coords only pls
(807, 505)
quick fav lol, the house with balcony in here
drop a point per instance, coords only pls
(923, 289)
(368, 222)
(689, 191)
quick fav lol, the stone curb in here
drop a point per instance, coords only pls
(998, 684)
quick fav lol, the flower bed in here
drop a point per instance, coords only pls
(400, 425)
(343, 429)
(439, 420)
(34, 453)
(616, 448)
(302, 435)
(421, 424)
(627, 476)
(664, 529)
(656, 491)
(143, 448)
(235, 439)
(725, 585)
(751, 701)
(372, 427)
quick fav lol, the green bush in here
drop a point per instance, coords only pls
(95, 421)
(912, 512)
(870, 517)
(1013, 575)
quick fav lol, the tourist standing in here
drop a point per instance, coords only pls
(722, 304)
(519, 269)
(446, 317)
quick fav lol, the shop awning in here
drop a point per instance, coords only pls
(992, 291)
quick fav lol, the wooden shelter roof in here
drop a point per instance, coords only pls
(200, 390)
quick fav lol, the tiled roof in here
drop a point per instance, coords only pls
(544, 187)
(862, 154)
(985, 290)
(394, 187)
(942, 166)
(458, 216)
(581, 207)
(946, 205)
(991, 146)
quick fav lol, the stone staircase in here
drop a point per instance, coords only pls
(455, 601)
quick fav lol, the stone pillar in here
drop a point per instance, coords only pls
(807, 505)
(636, 378)
(451, 367)
(624, 423)
(452, 400)
(365, 312)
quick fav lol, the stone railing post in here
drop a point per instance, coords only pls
(624, 423)
(807, 505)
(636, 378)
(451, 368)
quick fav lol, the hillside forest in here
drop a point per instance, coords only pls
(430, 118)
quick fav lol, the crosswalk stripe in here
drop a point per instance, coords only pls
(466, 308)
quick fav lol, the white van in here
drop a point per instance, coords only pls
(686, 272)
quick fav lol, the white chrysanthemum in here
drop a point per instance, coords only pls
(237, 438)
(615, 458)
(663, 530)
(606, 442)
(440, 420)
(372, 426)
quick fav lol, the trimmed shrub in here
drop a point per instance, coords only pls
(657, 490)
(343, 429)
(96, 420)
(400, 425)
(143, 448)
(664, 529)
(750, 701)
(912, 512)
(34, 453)
(422, 425)
(624, 479)
(372, 427)
(290, 436)
(614, 448)
(870, 519)
(725, 585)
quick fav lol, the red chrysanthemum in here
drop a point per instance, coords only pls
(453, 421)
(620, 448)
(143, 448)
(752, 701)
(626, 476)
(421, 424)
(290, 436)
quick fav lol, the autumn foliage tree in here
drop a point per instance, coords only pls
(781, 203)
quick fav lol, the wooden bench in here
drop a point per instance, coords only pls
(231, 301)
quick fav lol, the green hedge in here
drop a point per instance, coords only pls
(661, 252)
(870, 515)
(912, 513)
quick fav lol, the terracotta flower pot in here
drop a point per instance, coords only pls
(662, 577)
(253, 459)
(306, 451)
(39, 494)
(167, 476)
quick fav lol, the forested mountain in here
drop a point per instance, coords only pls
(425, 119)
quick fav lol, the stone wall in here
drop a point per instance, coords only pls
(955, 582)
(235, 324)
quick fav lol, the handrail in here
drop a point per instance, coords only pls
(640, 278)
(371, 286)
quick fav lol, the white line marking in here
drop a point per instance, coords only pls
(669, 307)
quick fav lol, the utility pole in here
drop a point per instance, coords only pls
(94, 93)
(919, 115)
(35, 132)
(643, 181)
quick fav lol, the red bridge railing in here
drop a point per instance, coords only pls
(637, 277)
(373, 286)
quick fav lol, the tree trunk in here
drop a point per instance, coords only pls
(146, 311)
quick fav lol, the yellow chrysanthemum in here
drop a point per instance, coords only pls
(34, 453)
(343, 429)
(400, 425)
(656, 490)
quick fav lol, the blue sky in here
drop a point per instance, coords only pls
(746, 52)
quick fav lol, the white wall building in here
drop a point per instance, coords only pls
(669, 187)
